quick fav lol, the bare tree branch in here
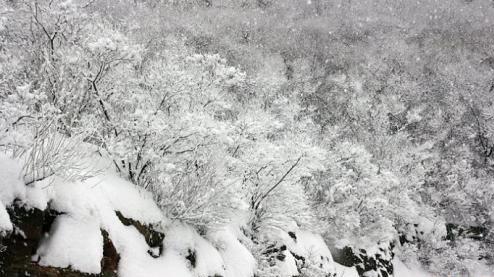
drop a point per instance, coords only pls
(258, 202)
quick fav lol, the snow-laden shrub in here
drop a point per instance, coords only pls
(356, 197)
(197, 195)
(293, 252)
(53, 154)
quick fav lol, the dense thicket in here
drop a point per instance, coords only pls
(369, 122)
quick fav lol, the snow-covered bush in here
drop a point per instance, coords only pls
(293, 253)
(354, 197)
(53, 154)
(308, 115)
(197, 195)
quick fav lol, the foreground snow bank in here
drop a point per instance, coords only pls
(86, 209)
(89, 213)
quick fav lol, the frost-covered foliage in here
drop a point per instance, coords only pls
(355, 196)
(368, 123)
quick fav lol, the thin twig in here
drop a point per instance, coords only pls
(277, 184)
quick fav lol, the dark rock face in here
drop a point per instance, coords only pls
(345, 256)
(153, 238)
(191, 257)
(278, 252)
(30, 226)
(293, 236)
(109, 263)
(363, 262)
(299, 260)
(275, 252)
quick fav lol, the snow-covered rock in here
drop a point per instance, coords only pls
(312, 248)
(204, 259)
(11, 184)
(76, 222)
(72, 242)
(344, 271)
(5, 224)
(237, 259)
(295, 252)
(369, 262)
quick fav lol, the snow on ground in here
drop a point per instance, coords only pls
(427, 227)
(133, 202)
(96, 200)
(134, 258)
(185, 241)
(343, 271)
(75, 238)
(72, 242)
(5, 224)
(402, 270)
(89, 206)
(11, 187)
(287, 267)
(312, 247)
(237, 259)
(479, 268)
(300, 243)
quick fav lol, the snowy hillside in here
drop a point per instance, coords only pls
(246, 138)
(86, 209)
(102, 207)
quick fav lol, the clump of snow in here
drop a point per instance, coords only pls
(474, 266)
(132, 201)
(135, 261)
(88, 206)
(102, 192)
(11, 185)
(343, 271)
(185, 240)
(5, 224)
(38, 194)
(287, 267)
(402, 270)
(73, 242)
(97, 199)
(312, 247)
(427, 227)
(237, 259)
